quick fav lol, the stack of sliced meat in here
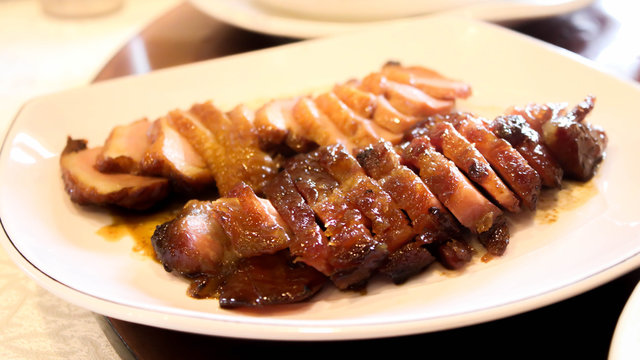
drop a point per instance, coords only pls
(376, 176)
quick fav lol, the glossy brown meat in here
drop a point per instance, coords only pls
(269, 280)
(578, 146)
(354, 253)
(252, 225)
(389, 225)
(194, 243)
(454, 254)
(507, 161)
(308, 244)
(446, 139)
(451, 187)
(426, 212)
(407, 261)
(87, 186)
(516, 130)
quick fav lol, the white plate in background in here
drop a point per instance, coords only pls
(250, 15)
(594, 238)
(625, 344)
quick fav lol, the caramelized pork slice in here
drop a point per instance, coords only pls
(230, 157)
(354, 254)
(507, 161)
(308, 242)
(407, 261)
(359, 130)
(124, 148)
(427, 80)
(316, 126)
(452, 188)
(389, 225)
(578, 146)
(194, 243)
(171, 156)
(516, 130)
(269, 280)
(276, 126)
(88, 186)
(425, 211)
(252, 225)
(447, 140)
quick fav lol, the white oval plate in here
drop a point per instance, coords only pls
(250, 15)
(591, 242)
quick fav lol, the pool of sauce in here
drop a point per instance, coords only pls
(138, 226)
(572, 195)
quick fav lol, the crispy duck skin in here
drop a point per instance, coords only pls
(230, 157)
(507, 161)
(124, 148)
(88, 186)
(447, 140)
(516, 130)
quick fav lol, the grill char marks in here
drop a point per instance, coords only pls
(447, 140)
(516, 130)
(388, 223)
(426, 212)
(507, 161)
(451, 187)
(354, 253)
(578, 146)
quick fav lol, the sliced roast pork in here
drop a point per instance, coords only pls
(88, 186)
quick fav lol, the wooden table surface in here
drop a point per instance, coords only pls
(580, 327)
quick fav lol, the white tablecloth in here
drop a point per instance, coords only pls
(41, 54)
